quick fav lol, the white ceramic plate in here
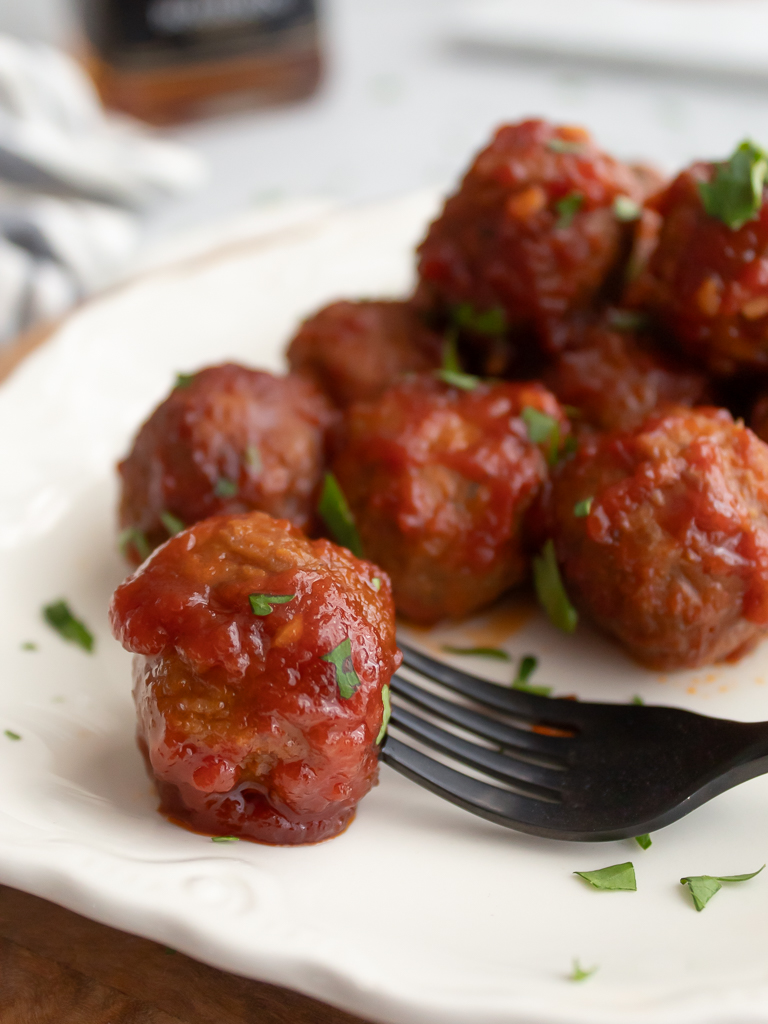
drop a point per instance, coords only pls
(419, 912)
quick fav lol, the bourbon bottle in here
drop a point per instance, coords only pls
(170, 60)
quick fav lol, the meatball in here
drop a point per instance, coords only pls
(617, 377)
(226, 440)
(261, 677)
(671, 557)
(439, 481)
(534, 228)
(353, 350)
(707, 279)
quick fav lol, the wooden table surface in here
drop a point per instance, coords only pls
(59, 968)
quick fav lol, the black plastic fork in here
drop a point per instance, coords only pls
(562, 768)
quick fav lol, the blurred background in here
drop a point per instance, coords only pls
(347, 101)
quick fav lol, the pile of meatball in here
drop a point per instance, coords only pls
(564, 395)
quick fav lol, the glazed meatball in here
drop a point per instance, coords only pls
(439, 481)
(617, 377)
(707, 279)
(354, 350)
(226, 440)
(672, 557)
(261, 677)
(533, 229)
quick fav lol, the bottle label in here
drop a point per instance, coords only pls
(151, 31)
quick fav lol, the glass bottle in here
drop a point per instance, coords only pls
(169, 60)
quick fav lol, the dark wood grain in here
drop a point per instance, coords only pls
(59, 967)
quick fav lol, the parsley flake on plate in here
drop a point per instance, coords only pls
(542, 429)
(582, 508)
(703, 887)
(528, 665)
(172, 523)
(644, 841)
(337, 516)
(183, 380)
(735, 194)
(132, 536)
(12, 735)
(347, 679)
(550, 590)
(579, 973)
(225, 839)
(29, 645)
(615, 878)
(637, 700)
(225, 488)
(567, 208)
(479, 652)
(626, 209)
(263, 604)
(67, 626)
(387, 713)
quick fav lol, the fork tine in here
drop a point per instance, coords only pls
(515, 702)
(537, 781)
(523, 813)
(555, 749)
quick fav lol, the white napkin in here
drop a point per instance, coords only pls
(73, 180)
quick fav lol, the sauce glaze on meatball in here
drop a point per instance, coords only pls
(532, 229)
(354, 350)
(439, 481)
(672, 558)
(617, 378)
(226, 440)
(246, 717)
(707, 282)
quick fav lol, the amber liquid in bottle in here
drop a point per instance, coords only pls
(170, 60)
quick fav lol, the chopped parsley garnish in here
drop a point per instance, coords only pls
(67, 626)
(581, 508)
(637, 700)
(376, 583)
(337, 516)
(252, 459)
(347, 679)
(542, 429)
(225, 488)
(565, 146)
(616, 878)
(172, 523)
(492, 322)
(263, 604)
(387, 713)
(12, 735)
(704, 887)
(183, 380)
(225, 839)
(479, 652)
(528, 665)
(451, 372)
(132, 536)
(627, 320)
(644, 841)
(567, 208)
(735, 194)
(550, 590)
(579, 973)
(570, 445)
(29, 645)
(626, 209)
